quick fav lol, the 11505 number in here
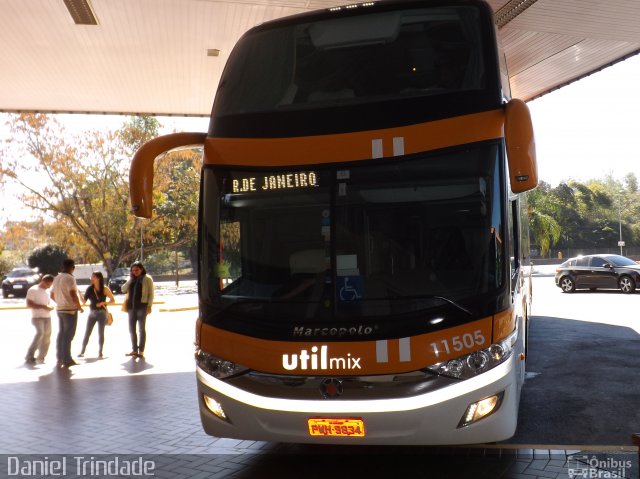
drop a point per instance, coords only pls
(458, 343)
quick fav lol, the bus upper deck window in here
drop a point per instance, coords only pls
(355, 31)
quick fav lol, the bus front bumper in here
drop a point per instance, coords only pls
(428, 419)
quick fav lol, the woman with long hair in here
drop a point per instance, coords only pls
(97, 294)
(139, 300)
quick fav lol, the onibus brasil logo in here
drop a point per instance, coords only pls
(319, 359)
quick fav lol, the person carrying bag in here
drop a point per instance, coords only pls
(97, 295)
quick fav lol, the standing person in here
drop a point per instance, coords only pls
(139, 290)
(97, 294)
(64, 291)
(38, 301)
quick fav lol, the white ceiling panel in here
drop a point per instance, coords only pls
(150, 56)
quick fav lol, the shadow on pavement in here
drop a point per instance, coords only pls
(582, 385)
(136, 365)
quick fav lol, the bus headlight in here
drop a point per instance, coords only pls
(217, 367)
(478, 362)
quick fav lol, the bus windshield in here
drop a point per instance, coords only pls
(354, 59)
(355, 241)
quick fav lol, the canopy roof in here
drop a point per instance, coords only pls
(165, 57)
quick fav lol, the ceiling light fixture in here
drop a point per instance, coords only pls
(81, 12)
(511, 10)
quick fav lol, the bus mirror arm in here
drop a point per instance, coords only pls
(141, 171)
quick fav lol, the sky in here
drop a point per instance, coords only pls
(590, 128)
(586, 130)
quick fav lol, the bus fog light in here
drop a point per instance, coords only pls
(481, 409)
(214, 406)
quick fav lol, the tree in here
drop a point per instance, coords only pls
(631, 182)
(177, 199)
(47, 259)
(5, 266)
(591, 215)
(544, 228)
(59, 233)
(85, 185)
(22, 237)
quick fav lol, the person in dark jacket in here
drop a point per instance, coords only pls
(138, 302)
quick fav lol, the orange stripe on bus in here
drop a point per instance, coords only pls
(503, 324)
(353, 146)
(349, 358)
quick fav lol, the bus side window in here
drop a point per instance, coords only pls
(514, 243)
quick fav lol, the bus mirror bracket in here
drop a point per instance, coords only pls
(141, 171)
(521, 148)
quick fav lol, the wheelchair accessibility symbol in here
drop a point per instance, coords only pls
(351, 289)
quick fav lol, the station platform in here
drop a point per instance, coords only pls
(117, 412)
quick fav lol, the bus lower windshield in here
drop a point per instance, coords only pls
(356, 242)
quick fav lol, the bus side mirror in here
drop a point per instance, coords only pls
(141, 171)
(521, 148)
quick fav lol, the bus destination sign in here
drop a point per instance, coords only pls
(282, 181)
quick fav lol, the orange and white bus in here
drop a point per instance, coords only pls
(362, 234)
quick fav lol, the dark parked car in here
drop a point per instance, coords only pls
(605, 271)
(18, 281)
(118, 278)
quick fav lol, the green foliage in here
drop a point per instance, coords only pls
(137, 131)
(167, 262)
(5, 266)
(631, 183)
(223, 270)
(47, 259)
(176, 200)
(589, 215)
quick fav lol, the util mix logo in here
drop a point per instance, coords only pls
(320, 361)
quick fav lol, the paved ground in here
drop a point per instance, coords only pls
(582, 367)
(127, 413)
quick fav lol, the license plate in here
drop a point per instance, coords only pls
(336, 427)
(17, 286)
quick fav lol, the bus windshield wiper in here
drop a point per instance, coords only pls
(454, 304)
(435, 296)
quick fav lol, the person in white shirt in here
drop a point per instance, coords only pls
(64, 291)
(38, 301)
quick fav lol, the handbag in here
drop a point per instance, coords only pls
(109, 320)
